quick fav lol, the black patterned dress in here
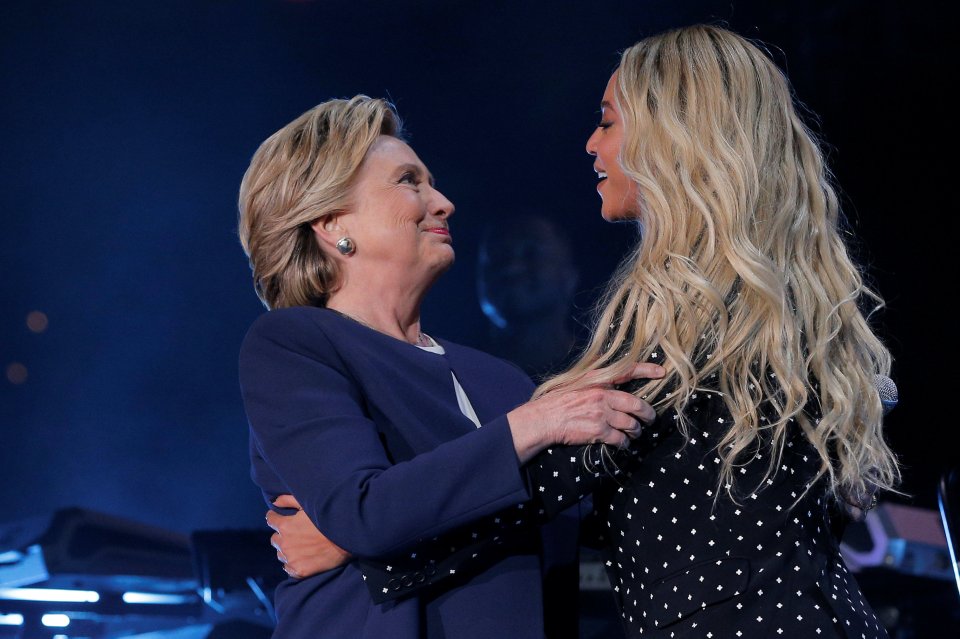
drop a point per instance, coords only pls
(683, 560)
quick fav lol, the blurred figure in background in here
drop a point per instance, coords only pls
(526, 283)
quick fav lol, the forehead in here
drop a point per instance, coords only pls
(387, 152)
(610, 92)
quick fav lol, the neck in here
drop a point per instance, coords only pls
(394, 313)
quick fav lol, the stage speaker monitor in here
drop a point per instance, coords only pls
(899, 537)
(79, 548)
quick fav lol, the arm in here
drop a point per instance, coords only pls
(309, 422)
(305, 551)
(394, 574)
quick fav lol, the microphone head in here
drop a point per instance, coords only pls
(887, 391)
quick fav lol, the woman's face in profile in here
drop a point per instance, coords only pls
(398, 219)
(618, 192)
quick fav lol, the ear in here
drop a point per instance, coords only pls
(328, 229)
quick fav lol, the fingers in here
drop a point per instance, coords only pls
(283, 501)
(608, 376)
(282, 558)
(273, 520)
(642, 370)
(286, 501)
(624, 423)
(627, 403)
(614, 438)
(275, 542)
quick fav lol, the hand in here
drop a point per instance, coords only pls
(585, 415)
(301, 548)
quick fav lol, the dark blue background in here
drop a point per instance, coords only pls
(126, 127)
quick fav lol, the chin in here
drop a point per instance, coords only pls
(442, 265)
(616, 216)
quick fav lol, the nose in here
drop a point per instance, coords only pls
(592, 142)
(440, 206)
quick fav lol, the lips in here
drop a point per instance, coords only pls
(601, 176)
(441, 231)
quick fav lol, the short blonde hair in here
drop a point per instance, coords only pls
(299, 174)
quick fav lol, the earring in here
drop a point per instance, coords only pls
(346, 246)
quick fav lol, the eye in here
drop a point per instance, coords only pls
(409, 177)
(604, 124)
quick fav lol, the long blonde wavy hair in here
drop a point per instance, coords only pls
(299, 174)
(741, 269)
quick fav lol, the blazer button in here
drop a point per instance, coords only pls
(431, 569)
(394, 584)
(407, 581)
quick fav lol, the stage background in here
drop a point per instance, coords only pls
(126, 127)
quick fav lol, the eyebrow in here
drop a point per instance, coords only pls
(418, 170)
(606, 105)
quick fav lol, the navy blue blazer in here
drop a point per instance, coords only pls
(365, 431)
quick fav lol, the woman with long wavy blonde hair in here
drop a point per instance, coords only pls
(741, 269)
(742, 287)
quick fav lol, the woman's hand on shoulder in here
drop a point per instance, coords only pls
(589, 414)
(303, 550)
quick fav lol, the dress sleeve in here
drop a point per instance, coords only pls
(558, 478)
(309, 423)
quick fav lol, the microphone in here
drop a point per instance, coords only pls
(887, 391)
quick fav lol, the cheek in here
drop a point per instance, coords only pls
(406, 210)
(610, 150)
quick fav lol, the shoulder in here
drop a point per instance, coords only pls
(301, 329)
(296, 319)
(281, 322)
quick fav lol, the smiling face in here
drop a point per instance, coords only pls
(618, 192)
(398, 220)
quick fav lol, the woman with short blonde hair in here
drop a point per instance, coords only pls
(385, 436)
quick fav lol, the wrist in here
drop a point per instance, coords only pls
(528, 438)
